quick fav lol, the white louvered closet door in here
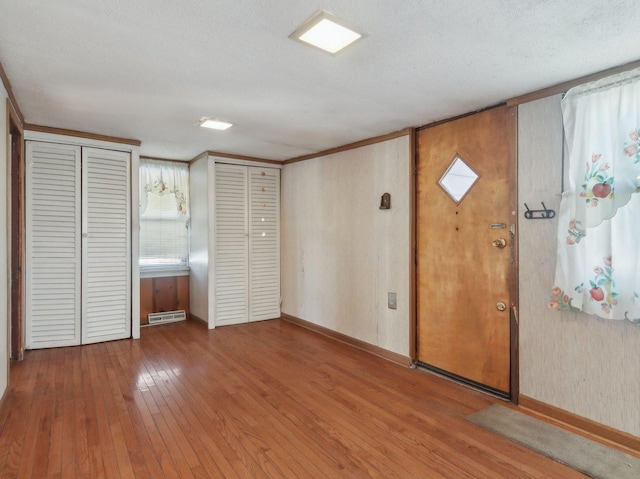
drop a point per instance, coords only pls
(106, 265)
(264, 243)
(52, 245)
(231, 245)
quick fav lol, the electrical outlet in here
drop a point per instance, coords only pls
(392, 302)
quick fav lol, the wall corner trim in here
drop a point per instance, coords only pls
(343, 338)
(586, 427)
(352, 146)
(238, 157)
(564, 86)
(12, 97)
(81, 134)
(204, 154)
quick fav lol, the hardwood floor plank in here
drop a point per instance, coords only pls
(129, 457)
(198, 408)
(13, 420)
(101, 451)
(68, 439)
(161, 449)
(260, 400)
(27, 467)
(236, 448)
(56, 399)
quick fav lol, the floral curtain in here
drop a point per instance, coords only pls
(165, 178)
(598, 262)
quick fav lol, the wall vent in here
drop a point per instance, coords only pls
(167, 317)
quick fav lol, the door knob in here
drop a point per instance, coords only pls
(500, 306)
(500, 243)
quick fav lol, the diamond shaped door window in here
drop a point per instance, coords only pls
(458, 180)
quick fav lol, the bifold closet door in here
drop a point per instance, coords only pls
(53, 245)
(264, 243)
(231, 245)
(106, 245)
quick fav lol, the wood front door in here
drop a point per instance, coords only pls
(463, 277)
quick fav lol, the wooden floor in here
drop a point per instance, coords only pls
(262, 400)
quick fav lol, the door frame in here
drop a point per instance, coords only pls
(512, 134)
(514, 272)
(16, 183)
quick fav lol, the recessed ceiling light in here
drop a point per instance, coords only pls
(326, 32)
(214, 124)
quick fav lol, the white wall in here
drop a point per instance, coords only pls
(4, 253)
(580, 363)
(199, 192)
(340, 253)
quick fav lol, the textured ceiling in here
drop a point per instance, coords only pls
(149, 69)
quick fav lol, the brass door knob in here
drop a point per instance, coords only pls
(500, 243)
(500, 306)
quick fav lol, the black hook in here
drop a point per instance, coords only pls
(543, 214)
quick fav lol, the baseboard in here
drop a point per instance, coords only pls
(4, 396)
(197, 318)
(356, 343)
(593, 429)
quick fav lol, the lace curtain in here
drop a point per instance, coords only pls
(598, 262)
(165, 178)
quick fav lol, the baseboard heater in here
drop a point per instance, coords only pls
(167, 317)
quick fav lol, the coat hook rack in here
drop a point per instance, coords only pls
(543, 214)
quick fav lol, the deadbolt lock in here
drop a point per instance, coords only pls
(500, 306)
(500, 243)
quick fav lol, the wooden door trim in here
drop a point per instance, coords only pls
(81, 134)
(16, 179)
(458, 117)
(514, 272)
(413, 245)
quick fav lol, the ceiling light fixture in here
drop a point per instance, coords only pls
(214, 124)
(326, 32)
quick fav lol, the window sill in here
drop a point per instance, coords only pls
(160, 272)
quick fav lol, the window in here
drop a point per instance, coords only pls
(164, 215)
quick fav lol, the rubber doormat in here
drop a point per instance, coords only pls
(589, 457)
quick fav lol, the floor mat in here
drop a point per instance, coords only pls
(589, 457)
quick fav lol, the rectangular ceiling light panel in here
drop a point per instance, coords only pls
(215, 124)
(326, 32)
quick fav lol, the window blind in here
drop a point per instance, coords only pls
(164, 226)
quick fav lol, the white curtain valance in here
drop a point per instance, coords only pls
(159, 177)
(598, 263)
